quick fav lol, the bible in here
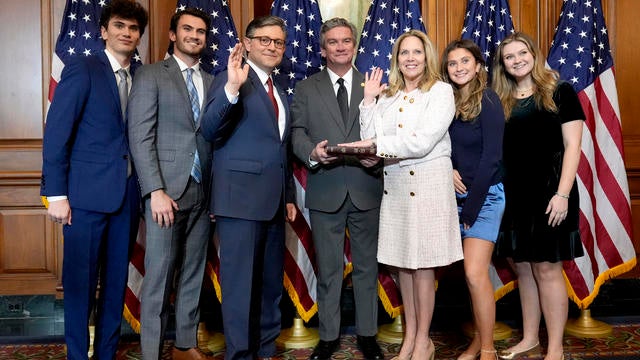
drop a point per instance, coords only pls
(349, 150)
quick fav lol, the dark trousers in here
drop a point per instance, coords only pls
(97, 244)
(251, 272)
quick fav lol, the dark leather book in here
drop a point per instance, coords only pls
(348, 150)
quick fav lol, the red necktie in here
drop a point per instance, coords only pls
(272, 97)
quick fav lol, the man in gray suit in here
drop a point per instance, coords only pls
(173, 163)
(341, 191)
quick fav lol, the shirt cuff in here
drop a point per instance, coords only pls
(233, 98)
(56, 198)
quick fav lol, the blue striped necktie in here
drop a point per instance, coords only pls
(196, 170)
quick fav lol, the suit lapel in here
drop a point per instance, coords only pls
(328, 96)
(110, 77)
(285, 104)
(357, 92)
(264, 98)
(173, 70)
(207, 79)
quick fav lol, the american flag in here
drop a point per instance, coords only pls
(221, 38)
(302, 55)
(385, 22)
(487, 23)
(580, 52)
(301, 59)
(79, 36)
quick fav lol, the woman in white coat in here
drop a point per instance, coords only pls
(407, 121)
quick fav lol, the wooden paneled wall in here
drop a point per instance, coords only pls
(31, 246)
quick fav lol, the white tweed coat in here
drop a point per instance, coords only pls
(419, 225)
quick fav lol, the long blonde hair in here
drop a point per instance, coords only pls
(544, 80)
(467, 107)
(430, 74)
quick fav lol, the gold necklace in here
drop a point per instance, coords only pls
(523, 92)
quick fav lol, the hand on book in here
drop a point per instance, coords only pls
(367, 143)
(321, 155)
(358, 148)
(365, 150)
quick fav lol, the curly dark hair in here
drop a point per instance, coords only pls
(126, 9)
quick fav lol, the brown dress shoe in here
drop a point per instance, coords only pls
(191, 354)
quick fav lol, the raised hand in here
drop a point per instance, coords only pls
(236, 71)
(372, 86)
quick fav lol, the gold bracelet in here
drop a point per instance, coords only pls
(562, 196)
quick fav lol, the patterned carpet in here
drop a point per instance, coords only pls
(622, 344)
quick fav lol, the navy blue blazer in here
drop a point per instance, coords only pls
(251, 175)
(85, 148)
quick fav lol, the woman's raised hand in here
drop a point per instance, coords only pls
(372, 85)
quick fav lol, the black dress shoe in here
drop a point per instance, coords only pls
(325, 349)
(370, 348)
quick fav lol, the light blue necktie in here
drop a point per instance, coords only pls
(196, 171)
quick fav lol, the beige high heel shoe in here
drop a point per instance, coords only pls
(433, 353)
(510, 354)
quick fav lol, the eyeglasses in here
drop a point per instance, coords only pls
(266, 41)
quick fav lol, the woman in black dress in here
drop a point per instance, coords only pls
(541, 154)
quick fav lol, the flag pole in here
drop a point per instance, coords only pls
(587, 327)
(210, 340)
(298, 336)
(392, 333)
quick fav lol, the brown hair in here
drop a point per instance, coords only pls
(544, 80)
(468, 107)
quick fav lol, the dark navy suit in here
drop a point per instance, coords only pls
(251, 180)
(85, 154)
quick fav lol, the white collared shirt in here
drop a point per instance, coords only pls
(115, 65)
(348, 82)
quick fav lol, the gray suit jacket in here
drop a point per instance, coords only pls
(162, 134)
(315, 117)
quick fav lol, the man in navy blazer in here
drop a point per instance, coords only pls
(89, 183)
(247, 118)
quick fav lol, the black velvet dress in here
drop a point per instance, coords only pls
(533, 151)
